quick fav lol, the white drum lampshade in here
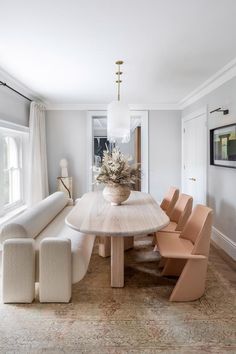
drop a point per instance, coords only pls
(118, 116)
(118, 122)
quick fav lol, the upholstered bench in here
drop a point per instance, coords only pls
(39, 247)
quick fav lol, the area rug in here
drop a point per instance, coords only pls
(136, 319)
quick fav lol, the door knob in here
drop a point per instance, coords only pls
(192, 179)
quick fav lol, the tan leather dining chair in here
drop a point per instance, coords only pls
(169, 200)
(186, 254)
(180, 213)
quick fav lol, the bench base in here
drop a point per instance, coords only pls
(55, 281)
(18, 271)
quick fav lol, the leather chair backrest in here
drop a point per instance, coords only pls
(198, 229)
(170, 199)
(182, 210)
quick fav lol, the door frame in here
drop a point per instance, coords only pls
(143, 115)
(203, 111)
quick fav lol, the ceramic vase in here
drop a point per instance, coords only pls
(116, 194)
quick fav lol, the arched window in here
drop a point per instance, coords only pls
(13, 165)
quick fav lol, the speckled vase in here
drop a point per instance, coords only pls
(116, 194)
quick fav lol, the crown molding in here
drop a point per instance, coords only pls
(103, 107)
(154, 107)
(19, 86)
(75, 107)
(219, 78)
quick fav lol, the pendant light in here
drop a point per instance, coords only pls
(118, 116)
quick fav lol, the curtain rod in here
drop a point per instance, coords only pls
(11, 88)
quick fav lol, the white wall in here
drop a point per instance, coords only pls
(164, 151)
(67, 134)
(13, 107)
(221, 187)
(66, 137)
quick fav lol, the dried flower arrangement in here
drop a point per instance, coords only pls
(115, 169)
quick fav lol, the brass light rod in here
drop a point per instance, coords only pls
(118, 81)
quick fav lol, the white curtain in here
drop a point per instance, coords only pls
(38, 174)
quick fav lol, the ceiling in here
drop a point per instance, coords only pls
(65, 50)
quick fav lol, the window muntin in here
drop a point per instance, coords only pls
(12, 169)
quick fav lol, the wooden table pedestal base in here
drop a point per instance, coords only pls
(104, 247)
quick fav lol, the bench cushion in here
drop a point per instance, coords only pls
(41, 214)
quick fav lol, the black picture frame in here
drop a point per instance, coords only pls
(222, 146)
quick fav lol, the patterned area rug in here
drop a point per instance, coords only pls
(136, 319)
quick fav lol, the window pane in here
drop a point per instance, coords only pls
(14, 185)
(6, 192)
(12, 152)
(11, 169)
(5, 154)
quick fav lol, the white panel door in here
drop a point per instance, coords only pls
(194, 158)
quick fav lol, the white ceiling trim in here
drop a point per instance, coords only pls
(75, 107)
(219, 78)
(102, 107)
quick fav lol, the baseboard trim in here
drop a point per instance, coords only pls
(224, 242)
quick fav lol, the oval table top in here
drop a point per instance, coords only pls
(138, 215)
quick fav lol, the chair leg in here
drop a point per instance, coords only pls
(153, 239)
(173, 267)
(128, 243)
(191, 283)
(162, 262)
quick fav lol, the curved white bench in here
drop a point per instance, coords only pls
(59, 255)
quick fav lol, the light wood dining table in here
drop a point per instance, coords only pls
(139, 215)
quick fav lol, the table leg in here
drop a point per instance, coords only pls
(104, 247)
(117, 262)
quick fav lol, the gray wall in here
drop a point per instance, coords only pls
(67, 134)
(13, 107)
(221, 187)
(66, 137)
(164, 151)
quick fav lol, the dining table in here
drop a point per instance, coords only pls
(139, 215)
